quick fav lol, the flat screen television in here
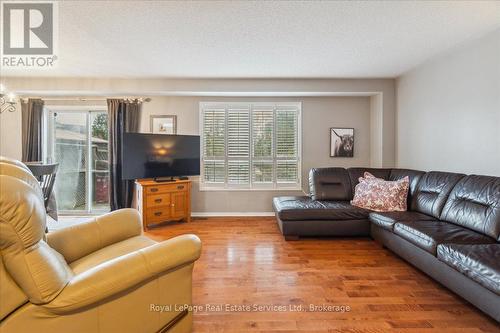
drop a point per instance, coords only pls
(160, 155)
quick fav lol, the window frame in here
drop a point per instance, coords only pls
(251, 186)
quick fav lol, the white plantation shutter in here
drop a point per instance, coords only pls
(286, 171)
(238, 172)
(286, 133)
(262, 133)
(214, 133)
(214, 172)
(262, 172)
(250, 145)
(238, 146)
(238, 133)
(262, 145)
(214, 145)
(287, 162)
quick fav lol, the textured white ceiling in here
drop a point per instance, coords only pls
(259, 39)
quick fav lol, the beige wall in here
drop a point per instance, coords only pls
(449, 111)
(369, 108)
(318, 115)
(10, 133)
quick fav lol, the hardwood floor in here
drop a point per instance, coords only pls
(246, 261)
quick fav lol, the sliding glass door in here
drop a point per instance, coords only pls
(78, 141)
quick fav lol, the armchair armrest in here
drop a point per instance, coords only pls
(82, 239)
(119, 274)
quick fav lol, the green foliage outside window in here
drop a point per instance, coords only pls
(100, 126)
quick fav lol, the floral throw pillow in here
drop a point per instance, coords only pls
(381, 195)
(367, 175)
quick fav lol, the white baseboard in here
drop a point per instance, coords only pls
(224, 214)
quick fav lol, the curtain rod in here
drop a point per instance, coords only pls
(87, 99)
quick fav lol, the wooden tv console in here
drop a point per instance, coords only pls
(163, 201)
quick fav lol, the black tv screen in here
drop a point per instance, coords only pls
(160, 155)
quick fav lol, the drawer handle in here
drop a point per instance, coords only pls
(154, 190)
(157, 200)
(158, 214)
(180, 187)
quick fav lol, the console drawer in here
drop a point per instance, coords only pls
(165, 188)
(158, 200)
(159, 214)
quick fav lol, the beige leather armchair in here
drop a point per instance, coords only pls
(99, 276)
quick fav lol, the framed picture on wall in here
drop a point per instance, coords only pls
(163, 124)
(341, 142)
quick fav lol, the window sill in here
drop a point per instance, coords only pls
(229, 189)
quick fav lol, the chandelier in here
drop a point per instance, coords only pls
(7, 100)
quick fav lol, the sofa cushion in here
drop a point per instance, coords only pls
(329, 184)
(304, 208)
(432, 192)
(475, 204)
(356, 173)
(414, 175)
(481, 263)
(387, 220)
(429, 234)
(381, 195)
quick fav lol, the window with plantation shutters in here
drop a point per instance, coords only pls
(250, 145)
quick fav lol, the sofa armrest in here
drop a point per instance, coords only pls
(79, 240)
(117, 275)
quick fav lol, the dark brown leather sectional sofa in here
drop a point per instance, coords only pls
(451, 230)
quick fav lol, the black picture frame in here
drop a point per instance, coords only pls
(342, 142)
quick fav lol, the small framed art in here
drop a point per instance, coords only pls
(163, 124)
(341, 142)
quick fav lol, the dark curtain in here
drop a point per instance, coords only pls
(32, 140)
(32, 120)
(123, 116)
